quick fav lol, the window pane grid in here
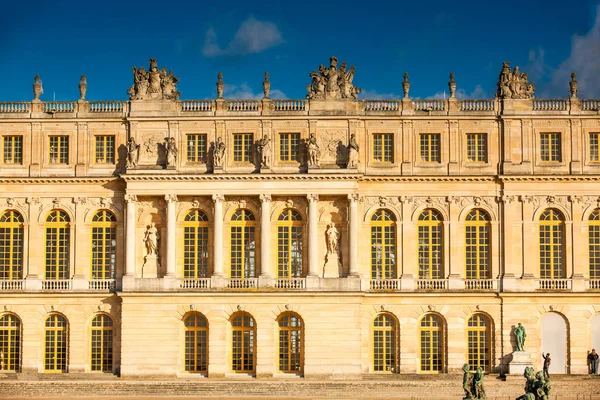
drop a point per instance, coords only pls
(593, 141)
(104, 245)
(384, 344)
(479, 342)
(243, 344)
(57, 245)
(551, 236)
(196, 245)
(289, 146)
(102, 344)
(243, 245)
(383, 147)
(550, 146)
(430, 248)
(430, 147)
(477, 147)
(289, 244)
(196, 344)
(11, 245)
(55, 354)
(594, 244)
(59, 150)
(196, 148)
(105, 149)
(12, 149)
(290, 344)
(477, 238)
(10, 343)
(431, 344)
(242, 147)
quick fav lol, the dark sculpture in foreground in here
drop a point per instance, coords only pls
(536, 386)
(473, 383)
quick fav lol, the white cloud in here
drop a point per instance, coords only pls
(583, 60)
(477, 93)
(253, 36)
(245, 92)
(374, 95)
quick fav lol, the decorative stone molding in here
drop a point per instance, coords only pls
(170, 198)
(438, 201)
(330, 205)
(354, 197)
(33, 201)
(312, 197)
(265, 198)
(218, 197)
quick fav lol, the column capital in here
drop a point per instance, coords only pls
(171, 198)
(33, 200)
(218, 198)
(312, 197)
(353, 197)
(131, 198)
(264, 198)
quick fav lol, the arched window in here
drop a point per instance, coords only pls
(594, 243)
(291, 343)
(289, 244)
(195, 245)
(56, 335)
(10, 343)
(196, 343)
(383, 245)
(430, 234)
(477, 245)
(104, 245)
(243, 244)
(552, 245)
(11, 245)
(384, 343)
(432, 343)
(58, 245)
(243, 346)
(479, 345)
(102, 343)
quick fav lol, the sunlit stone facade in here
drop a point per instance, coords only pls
(455, 220)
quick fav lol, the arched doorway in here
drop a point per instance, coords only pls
(554, 341)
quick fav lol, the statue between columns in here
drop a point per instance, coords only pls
(151, 240)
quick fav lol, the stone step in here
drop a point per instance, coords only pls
(431, 387)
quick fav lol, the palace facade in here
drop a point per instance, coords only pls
(324, 237)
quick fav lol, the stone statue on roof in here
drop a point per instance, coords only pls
(332, 83)
(153, 84)
(513, 85)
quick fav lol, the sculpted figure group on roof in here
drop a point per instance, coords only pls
(333, 83)
(153, 84)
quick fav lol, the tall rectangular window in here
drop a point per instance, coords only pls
(59, 150)
(196, 148)
(12, 149)
(477, 147)
(430, 147)
(289, 147)
(383, 147)
(242, 147)
(550, 147)
(105, 149)
(594, 146)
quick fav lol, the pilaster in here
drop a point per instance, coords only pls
(266, 274)
(171, 200)
(313, 253)
(218, 235)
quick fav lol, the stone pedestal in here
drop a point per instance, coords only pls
(218, 170)
(332, 266)
(520, 361)
(150, 267)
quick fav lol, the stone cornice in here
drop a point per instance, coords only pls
(549, 178)
(55, 180)
(240, 177)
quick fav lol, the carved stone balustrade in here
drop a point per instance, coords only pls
(12, 284)
(477, 105)
(590, 105)
(385, 284)
(382, 105)
(592, 284)
(554, 284)
(107, 106)
(432, 284)
(481, 284)
(196, 105)
(550, 105)
(60, 107)
(15, 107)
(429, 105)
(57, 284)
(243, 105)
(290, 283)
(194, 284)
(102, 284)
(242, 283)
(290, 105)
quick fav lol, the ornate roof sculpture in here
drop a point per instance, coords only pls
(153, 84)
(332, 83)
(513, 85)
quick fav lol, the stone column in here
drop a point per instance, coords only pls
(218, 235)
(313, 242)
(353, 235)
(171, 229)
(265, 236)
(130, 235)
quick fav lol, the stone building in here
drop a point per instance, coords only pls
(322, 237)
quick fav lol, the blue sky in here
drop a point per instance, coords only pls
(60, 40)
